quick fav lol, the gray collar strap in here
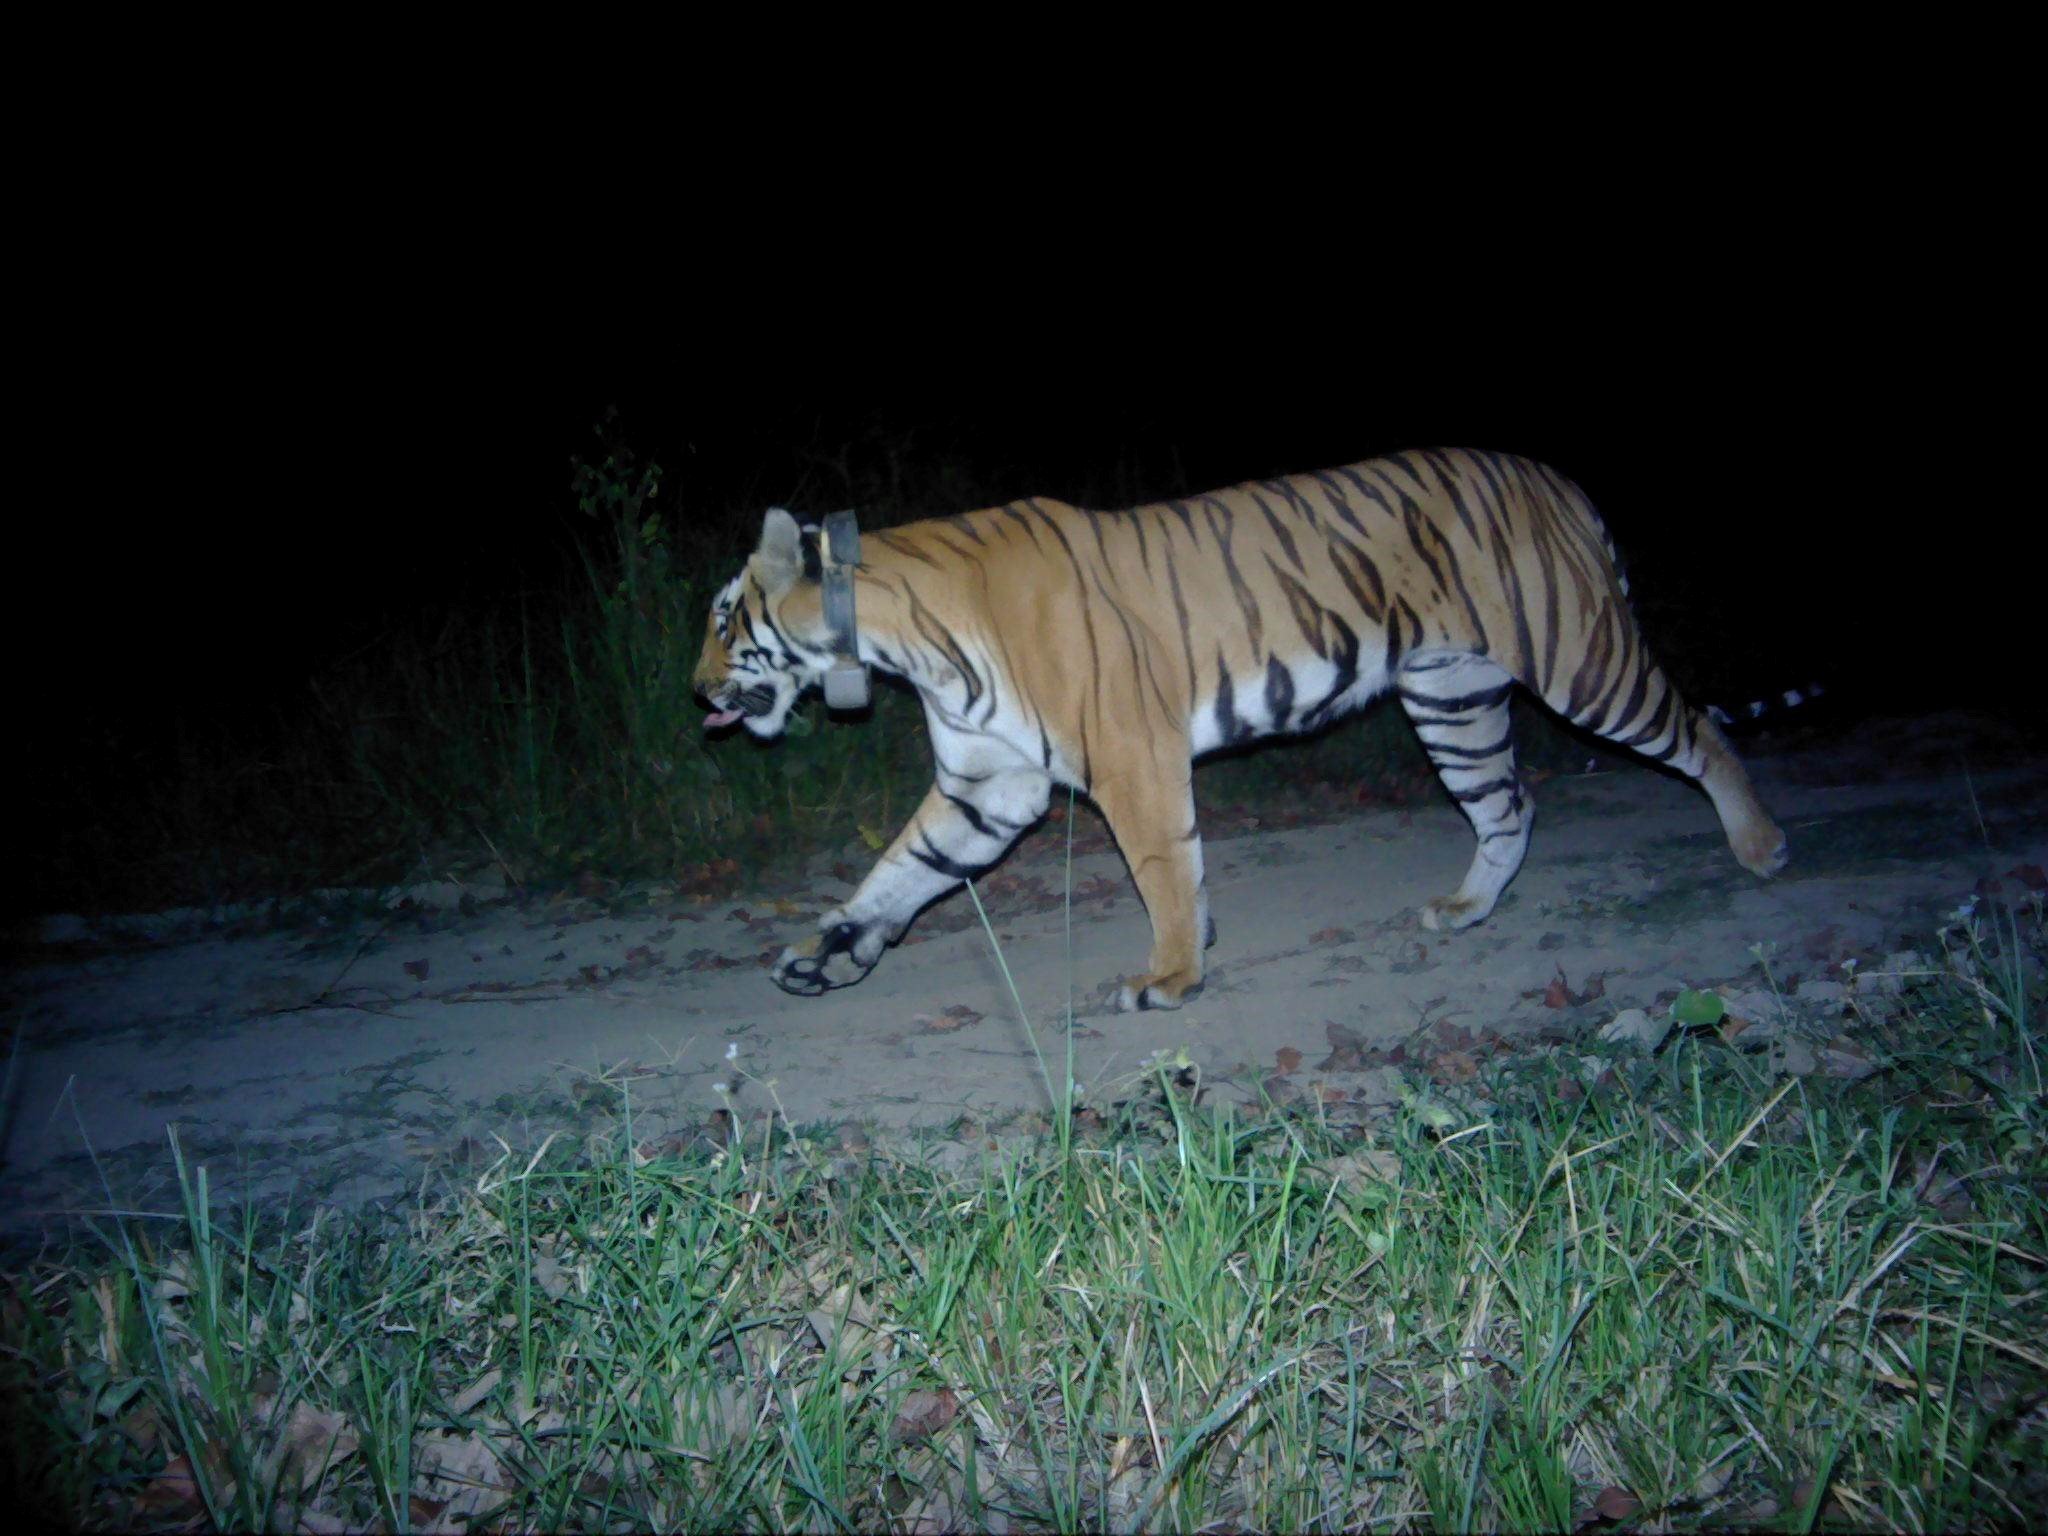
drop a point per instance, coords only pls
(846, 682)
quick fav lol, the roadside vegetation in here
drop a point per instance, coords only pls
(1706, 1271)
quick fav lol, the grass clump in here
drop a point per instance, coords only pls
(1674, 1290)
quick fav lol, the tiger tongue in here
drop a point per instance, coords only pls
(720, 720)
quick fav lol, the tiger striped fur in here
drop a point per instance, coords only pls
(1109, 650)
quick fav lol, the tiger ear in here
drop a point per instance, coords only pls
(780, 559)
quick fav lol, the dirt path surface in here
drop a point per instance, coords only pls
(380, 1053)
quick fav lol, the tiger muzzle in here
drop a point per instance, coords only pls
(728, 704)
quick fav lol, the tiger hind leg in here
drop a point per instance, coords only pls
(1645, 713)
(1459, 707)
(1758, 842)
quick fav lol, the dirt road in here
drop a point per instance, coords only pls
(382, 1052)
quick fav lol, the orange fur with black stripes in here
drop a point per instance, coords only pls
(1110, 650)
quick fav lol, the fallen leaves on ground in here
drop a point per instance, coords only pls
(1453, 1067)
(959, 1016)
(1559, 993)
(1347, 1050)
(923, 1414)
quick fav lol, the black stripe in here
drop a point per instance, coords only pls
(1231, 729)
(1279, 692)
(1438, 749)
(1480, 792)
(939, 863)
(1485, 698)
(1308, 613)
(972, 813)
(1366, 489)
(1279, 531)
(904, 547)
(1347, 674)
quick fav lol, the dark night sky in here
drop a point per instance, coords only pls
(1773, 465)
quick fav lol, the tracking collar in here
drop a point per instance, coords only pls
(846, 683)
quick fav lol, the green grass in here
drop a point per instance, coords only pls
(1675, 1290)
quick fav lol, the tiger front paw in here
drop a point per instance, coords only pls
(1146, 992)
(1448, 914)
(838, 955)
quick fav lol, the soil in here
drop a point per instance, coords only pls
(357, 1051)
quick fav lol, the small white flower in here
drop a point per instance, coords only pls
(732, 1050)
(718, 1088)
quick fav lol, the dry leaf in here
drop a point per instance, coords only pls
(1374, 1165)
(476, 1392)
(173, 1492)
(935, 1516)
(1450, 1067)
(1842, 1058)
(1451, 1036)
(314, 1440)
(460, 1480)
(924, 1414)
(843, 1316)
(1616, 1503)
(1559, 993)
(1287, 1058)
(548, 1275)
(1347, 1050)
(1279, 1090)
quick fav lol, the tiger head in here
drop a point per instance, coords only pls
(766, 640)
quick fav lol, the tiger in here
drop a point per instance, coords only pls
(1107, 651)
